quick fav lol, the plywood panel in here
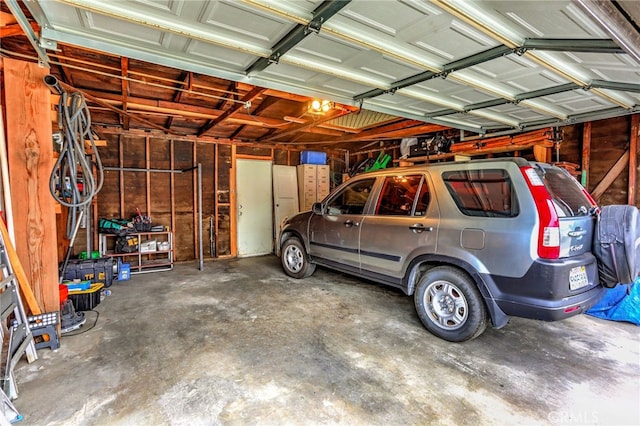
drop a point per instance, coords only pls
(224, 173)
(30, 155)
(135, 193)
(281, 157)
(253, 150)
(609, 141)
(224, 233)
(206, 157)
(183, 236)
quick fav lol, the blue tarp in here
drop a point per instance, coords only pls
(620, 303)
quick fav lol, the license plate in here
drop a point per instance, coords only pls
(578, 278)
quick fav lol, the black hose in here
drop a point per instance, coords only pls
(73, 169)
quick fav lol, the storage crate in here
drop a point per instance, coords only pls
(124, 271)
(94, 270)
(85, 300)
(313, 157)
(148, 246)
(94, 255)
(75, 286)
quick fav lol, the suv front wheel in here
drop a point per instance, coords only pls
(449, 304)
(294, 259)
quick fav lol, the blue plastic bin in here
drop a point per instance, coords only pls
(313, 157)
(124, 271)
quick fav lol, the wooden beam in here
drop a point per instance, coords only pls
(586, 153)
(30, 155)
(114, 109)
(16, 30)
(254, 93)
(187, 79)
(184, 110)
(121, 173)
(266, 103)
(633, 159)
(124, 72)
(300, 127)
(233, 208)
(611, 176)
(147, 155)
(31, 303)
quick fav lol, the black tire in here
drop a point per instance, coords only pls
(449, 304)
(615, 245)
(295, 261)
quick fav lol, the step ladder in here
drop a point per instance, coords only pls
(20, 338)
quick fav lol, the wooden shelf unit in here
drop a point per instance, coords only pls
(141, 262)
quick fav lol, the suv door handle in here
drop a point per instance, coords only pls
(577, 233)
(349, 223)
(418, 228)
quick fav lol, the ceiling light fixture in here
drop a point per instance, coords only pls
(321, 106)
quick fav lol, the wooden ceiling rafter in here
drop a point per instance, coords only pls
(66, 77)
(12, 30)
(143, 105)
(266, 103)
(331, 115)
(187, 87)
(254, 93)
(231, 92)
(186, 79)
(100, 102)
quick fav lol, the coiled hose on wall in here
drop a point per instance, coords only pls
(72, 182)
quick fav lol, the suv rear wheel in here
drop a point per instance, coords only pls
(294, 259)
(449, 305)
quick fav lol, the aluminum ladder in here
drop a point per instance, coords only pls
(20, 339)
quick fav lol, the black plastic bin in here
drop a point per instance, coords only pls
(94, 270)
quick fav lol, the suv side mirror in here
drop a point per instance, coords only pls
(316, 208)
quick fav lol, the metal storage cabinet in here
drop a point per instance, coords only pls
(313, 184)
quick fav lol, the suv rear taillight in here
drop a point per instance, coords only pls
(549, 233)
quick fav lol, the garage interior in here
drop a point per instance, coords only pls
(202, 116)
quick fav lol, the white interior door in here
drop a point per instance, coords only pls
(285, 195)
(254, 211)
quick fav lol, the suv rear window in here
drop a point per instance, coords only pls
(565, 191)
(485, 193)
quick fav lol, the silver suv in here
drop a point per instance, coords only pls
(471, 241)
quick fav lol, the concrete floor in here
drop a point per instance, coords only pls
(240, 343)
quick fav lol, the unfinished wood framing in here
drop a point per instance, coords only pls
(586, 153)
(633, 159)
(194, 182)
(611, 176)
(233, 223)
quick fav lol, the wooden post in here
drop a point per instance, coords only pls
(30, 154)
(586, 153)
(233, 210)
(633, 158)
